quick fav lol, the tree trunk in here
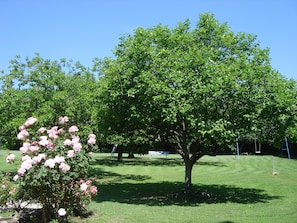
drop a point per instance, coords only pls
(190, 155)
(188, 176)
(131, 155)
(120, 154)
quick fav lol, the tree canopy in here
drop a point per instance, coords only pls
(46, 89)
(197, 89)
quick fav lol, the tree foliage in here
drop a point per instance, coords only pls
(46, 89)
(197, 89)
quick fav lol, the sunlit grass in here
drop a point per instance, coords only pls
(226, 189)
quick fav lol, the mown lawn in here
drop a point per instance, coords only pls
(226, 190)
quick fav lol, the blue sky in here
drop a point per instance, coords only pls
(82, 30)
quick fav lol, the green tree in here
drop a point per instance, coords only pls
(46, 89)
(197, 89)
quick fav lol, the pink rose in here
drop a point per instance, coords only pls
(34, 149)
(27, 164)
(63, 120)
(75, 139)
(59, 159)
(94, 190)
(25, 147)
(41, 156)
(92, 136)
(43, 141)
(24, 158)
(77, 146)
(64, 167)
(16, 177)
(92, 141)
(30, 121)
(21, 171)
(42, 130)
(89, 182)
(22, 127)
(10, 158)
(37, 159)
(67, 142)
(50, 145)
(50, 163)
(73, 129)
(71, 153)
(23, 134)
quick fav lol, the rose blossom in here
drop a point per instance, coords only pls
(94, 190)
(9, 158)
(43, 141)
(53, 132)
(73, 129)
(67, 142)
(21, 171)
(75, 139)
(64, 167)
(23, 134)
(34, 149)
(83, 187)
(59, 159)
(77, 146)
(89, 182)
(42, 130)
(22, 127)
(25, 147)
(71, 153)
(63, 120)
(62, 212)
(37, 159)
(30, 121)
(27, 164)
(92, 136)
(50, 163)
(16, 177)
(50, 145)
(92, 141)
(24, 158)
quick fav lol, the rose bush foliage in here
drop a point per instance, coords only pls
(54, 165)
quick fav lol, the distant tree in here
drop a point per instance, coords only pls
(196, 89)
(46, 89)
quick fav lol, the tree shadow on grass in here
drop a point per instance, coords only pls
(169, 193)
(98, 173)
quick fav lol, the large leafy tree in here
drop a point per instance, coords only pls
(197, 89)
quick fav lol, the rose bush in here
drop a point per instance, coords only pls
(53, 168)
(8, 190)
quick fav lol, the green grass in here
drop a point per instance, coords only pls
(226, 190)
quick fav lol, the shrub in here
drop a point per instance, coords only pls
(54, 165)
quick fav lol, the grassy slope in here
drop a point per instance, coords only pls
(230, 190)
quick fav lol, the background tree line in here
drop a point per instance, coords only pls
(195, 89)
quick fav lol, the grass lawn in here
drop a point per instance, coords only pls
(228, 190)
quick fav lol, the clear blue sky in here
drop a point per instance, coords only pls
(85, 29)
